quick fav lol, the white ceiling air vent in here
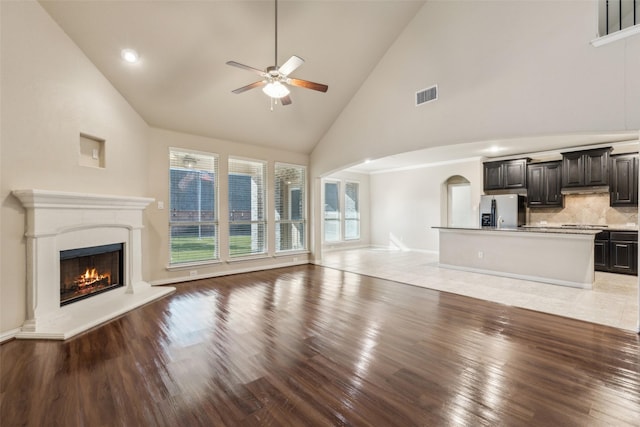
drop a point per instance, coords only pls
(427, 95)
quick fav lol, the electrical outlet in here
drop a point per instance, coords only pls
(193, 273)
(480, 254)
(160, 205)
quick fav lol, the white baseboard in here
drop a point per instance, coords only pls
(210, 275)
(8, 335)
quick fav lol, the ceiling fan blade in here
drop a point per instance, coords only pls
(246, 67)
(307, 84)
(291, 64)
(285, 100)
(251, 86)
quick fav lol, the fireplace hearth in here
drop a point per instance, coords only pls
(86, 272)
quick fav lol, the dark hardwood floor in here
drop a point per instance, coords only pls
(314, 346)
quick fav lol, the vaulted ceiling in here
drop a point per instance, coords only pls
(182, 83)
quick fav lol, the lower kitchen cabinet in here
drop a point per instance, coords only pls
(616, 252)
(623, 249)
(601, 251)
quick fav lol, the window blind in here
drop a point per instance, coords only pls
(193, 219)
(290, 207)
(247, 204)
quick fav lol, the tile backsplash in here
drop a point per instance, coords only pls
(585, 209)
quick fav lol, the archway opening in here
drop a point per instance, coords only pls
(459, 208)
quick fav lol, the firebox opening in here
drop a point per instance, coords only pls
(86, 272)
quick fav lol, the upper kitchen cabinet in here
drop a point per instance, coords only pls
(544, 181)
(585, 168)
(623, 180)
(505, 175)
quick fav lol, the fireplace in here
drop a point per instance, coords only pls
(86, 272)
(60, 277)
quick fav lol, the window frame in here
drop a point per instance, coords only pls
(338, 220)
(264, 222)
(303, 187)
(345, 218)
(214, 222)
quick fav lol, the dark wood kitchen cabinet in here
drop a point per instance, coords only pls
(616, 252)
(623, 180)
(505, 175)
(601, 251)
(623, 249)
(544, 181)
(585, 168)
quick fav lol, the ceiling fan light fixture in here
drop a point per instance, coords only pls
(276, 90)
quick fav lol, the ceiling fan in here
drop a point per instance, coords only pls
(275, 78)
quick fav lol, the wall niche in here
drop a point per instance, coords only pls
(92, 152)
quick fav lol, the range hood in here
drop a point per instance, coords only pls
(593, 189)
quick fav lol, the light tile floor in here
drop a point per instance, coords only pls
(613, 301)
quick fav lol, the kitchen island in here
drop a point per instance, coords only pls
(550, 255)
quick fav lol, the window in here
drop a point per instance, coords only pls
(247, 219)
(617, 15)
(331, 211)
(290, 204)
(193, 219)
(351, 211)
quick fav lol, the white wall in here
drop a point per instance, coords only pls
(503, 69)
(406, 204)
(50, 94)
(158, 226)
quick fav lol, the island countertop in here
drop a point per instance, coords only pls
(560, 256)
(528, 229)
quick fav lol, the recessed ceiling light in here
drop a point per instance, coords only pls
(130, 55)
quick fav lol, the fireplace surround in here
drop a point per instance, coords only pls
(62, 221)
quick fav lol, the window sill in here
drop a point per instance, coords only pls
(188, 265)
(618, 35)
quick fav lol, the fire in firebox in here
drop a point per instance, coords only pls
(91, 277)
(88, 271)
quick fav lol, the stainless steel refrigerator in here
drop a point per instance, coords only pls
(502, 211)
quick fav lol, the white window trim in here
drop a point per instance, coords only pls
(216, 221)
(340, 216)
(344, 219)
(305, 208)
(265, 220)
(615, 36)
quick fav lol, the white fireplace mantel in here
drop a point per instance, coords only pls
(58, 221)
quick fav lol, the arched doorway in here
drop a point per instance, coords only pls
(459, 209)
